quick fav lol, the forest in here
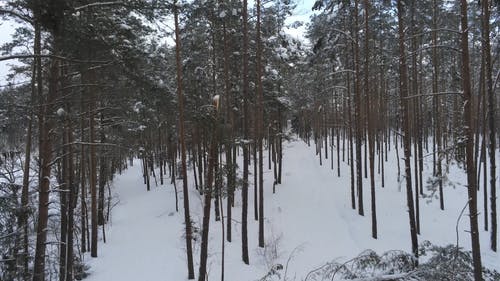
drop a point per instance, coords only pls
(205, 139)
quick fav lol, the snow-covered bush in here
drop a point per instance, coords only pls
(437, 263)
(449, 263)
(272, 250)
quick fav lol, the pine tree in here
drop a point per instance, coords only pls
(469, 143)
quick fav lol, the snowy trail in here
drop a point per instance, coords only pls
(310, 203)
(310, 216)
(142, 240)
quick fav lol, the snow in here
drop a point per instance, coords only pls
(308, 222)
(216, 101)
(125, 26)
(60, 112)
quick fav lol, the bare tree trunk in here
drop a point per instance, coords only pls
(437, 121)
(23, 218)
(93, 172)
(357, 112)
(255, 169)
(370, 130)
(200, 153)
(351, 153)
(63, 197)
(71, 203)
(406, 129)
(102, 176)
(491, 123)
(45, 147)
(187, 217)
(83, 191)
(212, 163)
(469, 143)
(415, 103)
(246, 153)
(260, 126)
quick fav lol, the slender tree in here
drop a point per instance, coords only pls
(212, 163)
(246, 152)
(260, 124)
(180, 101)
(36, 90)
(491, 122)
(469, 143)
(370, 126)
(403, 78)
(357, 112)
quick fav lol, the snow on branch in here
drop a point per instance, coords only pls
(13, 57)
(98, 4)
(16, 15)
(388, 277)
(433, 94)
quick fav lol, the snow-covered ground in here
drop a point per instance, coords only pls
(309, 221)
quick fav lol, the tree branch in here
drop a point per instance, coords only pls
(13, 57)
(98, 4)
(433, 94)
(16, 15)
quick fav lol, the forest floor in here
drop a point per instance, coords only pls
(308, 222)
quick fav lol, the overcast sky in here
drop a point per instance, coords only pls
(301, 13)
(6, 30)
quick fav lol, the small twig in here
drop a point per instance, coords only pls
(12, 57)
(290, 258)
(433, 94)
(456, 231)
(99, 4)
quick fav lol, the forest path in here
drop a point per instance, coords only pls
(314, 214)
(142, 240)
(308, 222)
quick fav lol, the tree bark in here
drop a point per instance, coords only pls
(357, 113)
(45, 149)
(491, 122)
(469, 143)
(369, 117)
(187, 217)
(246, 152)
(93, 172)
(212, 162)
(260, 126)
(35, 91)
(406, 129)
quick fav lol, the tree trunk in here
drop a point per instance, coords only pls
(71, 203)
(244, 189)
(63, 202)
(93, 172)
(212, 162)
(45, 150)
(260, 126)
(491, 123)
(23, 218)
(102, 176)
(415, 102)
(357, 113)
(351, 156)
(369, 117)
(437, 122)
(187, 217)
(406, 129)
(469, 143)
(83, 191)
